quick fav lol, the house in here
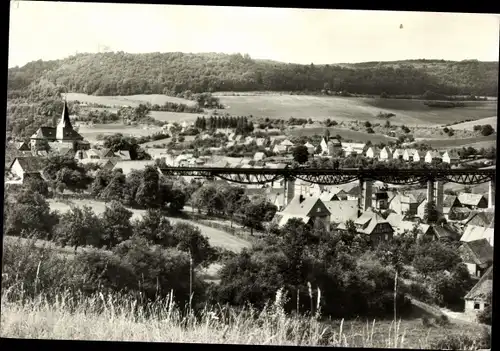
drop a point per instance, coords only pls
(443, 232)
(385, 154)
(449, 202)
(106, 153)
(450, 157)
(408, 154)
(373, 152)
(307, 188)
(22, 167)
(249, 140)
(398, 154)
(477, 256)
(287, 144)
(404, 204)
(479, 296)
(419, 156)
(259, 156)
(92, 154)
(373, 225)
(329, 146)
(102, 163)
(342, 211)
(473, 201)
(432, 156)
(484, 219)
(64, 132)
(380, 200)
(123, 155)
(353, 148)
(128, 166)
(310, 209)
(230, 144)
(260, 141)
(310, 148)
(280, 149)
(474, 232)
(409, 226)
(333, 194)
(23, 146)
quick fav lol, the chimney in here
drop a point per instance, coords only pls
(439, 196)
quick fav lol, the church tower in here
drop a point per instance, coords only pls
(64, 130)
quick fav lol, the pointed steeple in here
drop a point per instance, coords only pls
(65, 121)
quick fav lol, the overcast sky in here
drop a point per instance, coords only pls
(53, 30)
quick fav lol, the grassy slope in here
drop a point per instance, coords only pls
(91, 132)
(344, 133)
(470, 125)
(131, 100)
(216, 237)
(477, 142)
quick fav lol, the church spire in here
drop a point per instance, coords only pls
(65, 121)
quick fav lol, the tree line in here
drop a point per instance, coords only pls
(240, 124)
(174, 73)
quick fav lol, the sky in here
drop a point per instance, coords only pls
(55, 30)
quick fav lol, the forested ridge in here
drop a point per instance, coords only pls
(121, 73)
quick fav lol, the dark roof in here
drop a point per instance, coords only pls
(381, 195)
(477, 251)
(30, 164)
(70, 134)
(65, 122)
(483, 287)
(449, 200)
(45, 133)
(444, 231)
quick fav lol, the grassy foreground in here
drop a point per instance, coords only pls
(115, 318)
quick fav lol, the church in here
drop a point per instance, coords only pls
(62, 138)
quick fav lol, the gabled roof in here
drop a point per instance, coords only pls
(301, 209)
(341, 211)
(106, 152)
(123, 154)
(308, 145)
(129, 166)
(470, 199)
(45, 133)
(22, 146)
(433, 154)
(395, 219)
(477, 251)
(483, 287)
(449, 200)
(408, 225)
(445, 231)
(473, 233)
(286, 142)
(29, 164)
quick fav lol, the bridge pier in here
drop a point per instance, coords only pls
(491, 193)
(288, 191)
(365, 199)
(430, 190)
(439, 196)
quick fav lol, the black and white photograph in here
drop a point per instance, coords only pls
(250, 175)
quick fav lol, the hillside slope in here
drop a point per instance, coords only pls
(158, 73)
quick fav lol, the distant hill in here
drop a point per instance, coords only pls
(173, 73)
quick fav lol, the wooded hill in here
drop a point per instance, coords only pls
(172, 73)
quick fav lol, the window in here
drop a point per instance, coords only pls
(476, 305)
(387, 237)
(319, 209)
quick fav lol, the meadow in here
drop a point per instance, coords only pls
(344, 133)
(165, 116)
(91, 132)
(111, 317)
(409, 112)
(215, 236)
(131, 100)
(475, 142)
(470, 125)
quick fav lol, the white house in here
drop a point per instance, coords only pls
(373, 152)
(418, 156)
(432, 156)
(398, 154)
(310, 147)
(259, 156)
(477, 298)
(23, 166)
(408, 154)
(450, 157)
(353, 148)
(279, 149)
(287, 144)
(385, 154)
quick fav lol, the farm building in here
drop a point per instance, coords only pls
(477, 256)
(473, 201)
(22, 167)
(373, 225)
(479, 296)
(310, 209)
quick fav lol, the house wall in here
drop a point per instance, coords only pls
(17, 169)
(472, 268)
(469, 306)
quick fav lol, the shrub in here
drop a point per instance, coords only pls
(487, 129)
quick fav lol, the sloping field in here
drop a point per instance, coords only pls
(410, 112)
(216, 237)
(131, 100)
(344, 133)
(470, 125)
(180, 117)
(91, 132)
(477, 142)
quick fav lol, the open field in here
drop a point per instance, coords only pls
(216, 237)
(131, 100)
(470, 125)
(180, 117)
(409, 112)
(40, 319)
(344, 133)
(91, 132)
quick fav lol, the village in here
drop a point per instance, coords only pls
(378, 211)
